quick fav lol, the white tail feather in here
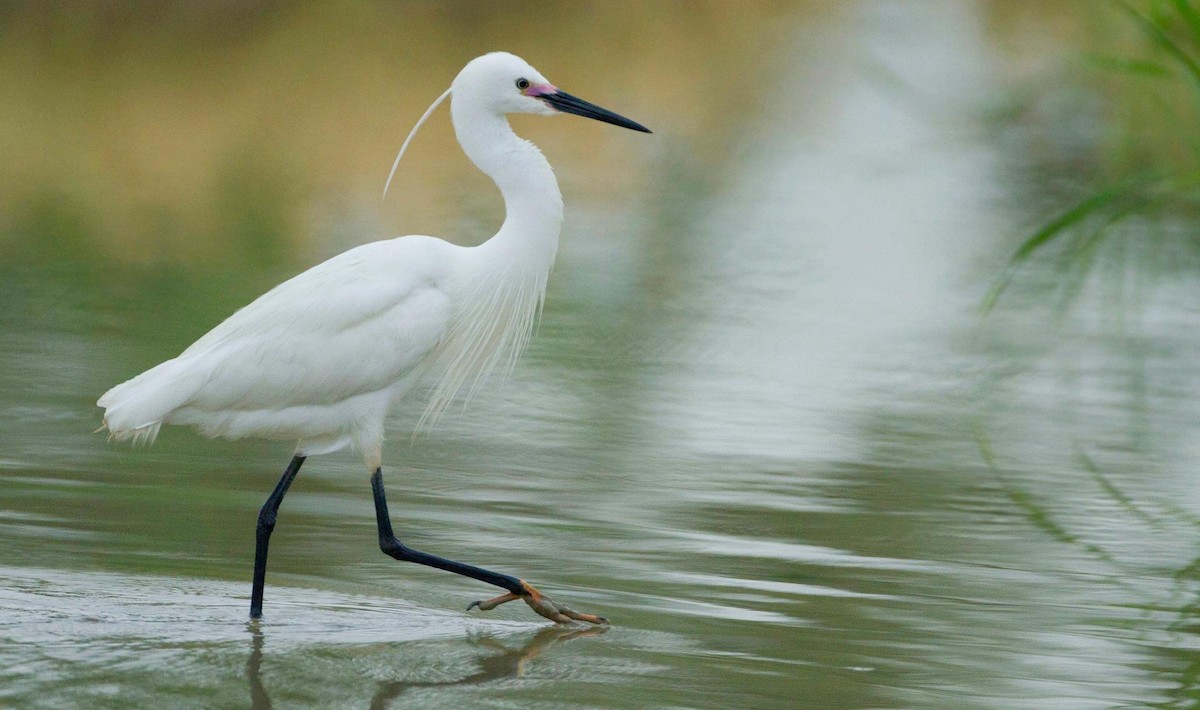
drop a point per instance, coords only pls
(135, 410)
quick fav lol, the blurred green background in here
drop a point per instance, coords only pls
(867, 380)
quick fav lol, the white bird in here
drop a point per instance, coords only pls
(323, 358)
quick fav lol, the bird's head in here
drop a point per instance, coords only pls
(504, 83)
(501, 83)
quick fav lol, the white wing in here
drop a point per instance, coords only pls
(354, 324)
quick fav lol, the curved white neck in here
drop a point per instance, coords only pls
(502, 281)
(532, 202)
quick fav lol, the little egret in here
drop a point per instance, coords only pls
(323, 358)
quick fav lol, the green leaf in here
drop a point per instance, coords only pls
(1190, 16)
(1041, 237)
(1142, 67)
(1159, 35)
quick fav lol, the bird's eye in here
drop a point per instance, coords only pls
(522, 84)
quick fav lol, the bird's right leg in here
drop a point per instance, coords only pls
(266, 523)
(517, 588)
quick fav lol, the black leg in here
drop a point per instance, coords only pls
(266, 523)
(398, 550)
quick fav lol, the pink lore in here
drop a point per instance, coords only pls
(540, 89)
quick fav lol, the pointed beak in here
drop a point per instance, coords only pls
(567, 103)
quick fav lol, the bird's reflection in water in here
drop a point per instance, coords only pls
(506, 663)
(259, 700)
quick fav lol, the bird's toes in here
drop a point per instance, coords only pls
(544, 606)
(579, 616)
(489, 604)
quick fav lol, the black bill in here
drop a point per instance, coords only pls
(566, 103)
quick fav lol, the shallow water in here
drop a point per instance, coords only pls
(762, 428)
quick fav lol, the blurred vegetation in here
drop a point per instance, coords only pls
(252, 132)
(1133, 205)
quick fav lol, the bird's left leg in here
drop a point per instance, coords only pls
(266, 524)
(517, 588)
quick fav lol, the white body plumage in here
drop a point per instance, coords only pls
(323, 358)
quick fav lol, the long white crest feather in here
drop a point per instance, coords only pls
(412, 133)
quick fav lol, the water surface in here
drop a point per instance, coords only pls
(762, 426)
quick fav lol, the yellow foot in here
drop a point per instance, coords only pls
(540, 603)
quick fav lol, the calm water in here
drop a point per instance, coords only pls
(762, 426)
